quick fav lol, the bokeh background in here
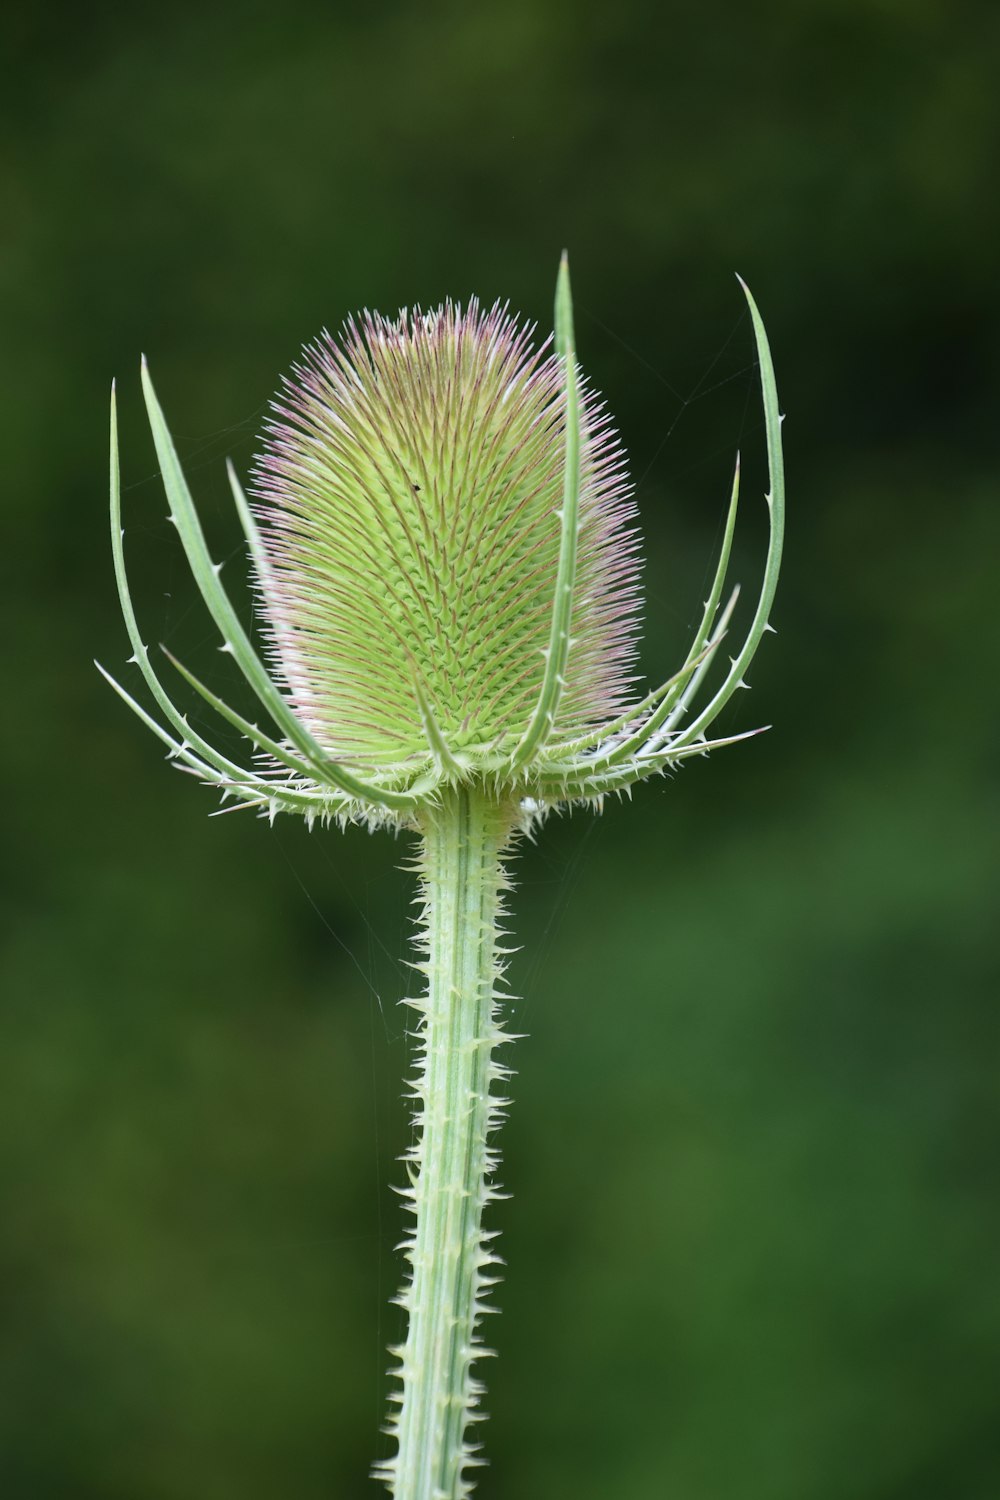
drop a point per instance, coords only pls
(754, 1233)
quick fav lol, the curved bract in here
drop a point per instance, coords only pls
(441, 533)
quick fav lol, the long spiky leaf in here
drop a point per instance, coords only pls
(582, 787)
(189, 736)
(237, 641)
(661, 722)
(776, 508)
(679, 708)
(247, 521)
(557, 651)
(250, 731)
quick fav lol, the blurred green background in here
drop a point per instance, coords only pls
(753, 1238)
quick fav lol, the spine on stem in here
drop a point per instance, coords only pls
(451, 1162)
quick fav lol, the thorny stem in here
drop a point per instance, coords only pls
(451, 1164)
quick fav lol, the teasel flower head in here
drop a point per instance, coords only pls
(408, 503)
(446, 565)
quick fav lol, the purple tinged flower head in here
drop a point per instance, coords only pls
(409, 502)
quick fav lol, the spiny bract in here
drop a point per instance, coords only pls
(445, 559)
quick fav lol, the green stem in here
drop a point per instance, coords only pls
(450, 1164)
